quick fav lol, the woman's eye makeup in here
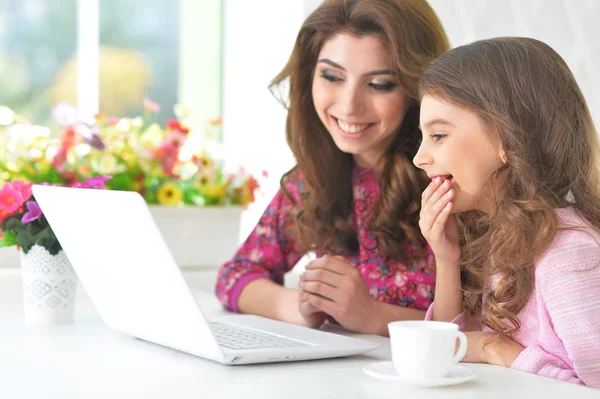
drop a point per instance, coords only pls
(380, 85)
(383, 86)
(329, 77)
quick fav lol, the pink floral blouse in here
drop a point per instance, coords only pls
(270, 251)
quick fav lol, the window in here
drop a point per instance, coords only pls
(37, 43)
(168, 51)
(138, 56)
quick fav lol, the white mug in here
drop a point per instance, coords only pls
(425, 349)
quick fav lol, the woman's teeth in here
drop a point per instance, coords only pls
(352, 128)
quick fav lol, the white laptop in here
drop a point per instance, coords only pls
(130, 275)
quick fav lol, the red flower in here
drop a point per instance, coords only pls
(174, 124)
(60, 158)
(252, 184)
(69, 177)
(175, 139)
(68, 137)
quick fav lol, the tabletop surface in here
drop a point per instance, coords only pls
(88, 360)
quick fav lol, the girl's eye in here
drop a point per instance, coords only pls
(437, 137)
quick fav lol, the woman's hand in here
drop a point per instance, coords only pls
(438, 224)
(332, 285)
(313, 317)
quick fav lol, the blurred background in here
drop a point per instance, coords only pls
(217, 58)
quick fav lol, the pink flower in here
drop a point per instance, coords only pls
(60, 158)
(33, 212)
(98, 182)
(176, 139)
(11, 200)
(168, 164)
(175, 125)
(112, 120)
(65, 114)
(23, 188)
(151, 106)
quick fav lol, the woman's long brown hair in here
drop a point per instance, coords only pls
(525, 92)
(414, 36)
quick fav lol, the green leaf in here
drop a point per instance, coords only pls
(120, 181)
(8, 240)
(47, 239)
(25, 239)
(11, 223)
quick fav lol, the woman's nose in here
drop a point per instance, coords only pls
(352, 101)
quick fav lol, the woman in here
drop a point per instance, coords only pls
(354, 195)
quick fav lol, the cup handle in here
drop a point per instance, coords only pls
(462, 347)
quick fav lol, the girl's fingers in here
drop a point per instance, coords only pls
(440, 222)
(429, 190)
(432, 212)
(437, 207)
(442, 189)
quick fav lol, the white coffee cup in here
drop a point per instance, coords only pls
(425, 349)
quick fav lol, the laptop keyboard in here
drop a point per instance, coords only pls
(234, 337)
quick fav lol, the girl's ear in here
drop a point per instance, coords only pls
(502, 154)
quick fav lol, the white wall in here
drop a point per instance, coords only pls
(200, 61)
(569, 26)
(258, 38)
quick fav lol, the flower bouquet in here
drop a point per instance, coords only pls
(22, 222)
(166, 165)
(194, 197)
(49, 282)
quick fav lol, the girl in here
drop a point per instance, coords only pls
(354, 195)
(512, 152)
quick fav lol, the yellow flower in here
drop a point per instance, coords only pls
(169, 194)
(216, 191)
(246, 196)
(204, 179)
(205, 161)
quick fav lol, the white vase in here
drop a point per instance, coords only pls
(200, 236)
(49, 287)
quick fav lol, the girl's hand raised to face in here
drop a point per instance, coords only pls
(438, 224)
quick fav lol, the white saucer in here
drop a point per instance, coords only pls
(385, 371)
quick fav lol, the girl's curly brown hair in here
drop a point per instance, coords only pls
(524, 90)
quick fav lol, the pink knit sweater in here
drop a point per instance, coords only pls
(560, 324)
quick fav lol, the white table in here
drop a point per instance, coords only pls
(87, 360)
